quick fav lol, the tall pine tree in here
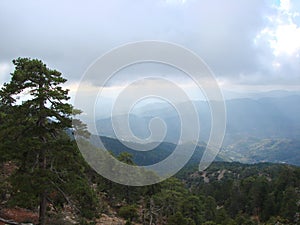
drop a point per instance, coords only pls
(35, 115)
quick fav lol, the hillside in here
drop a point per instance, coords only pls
(253, 150)
(269, 117)
(226, 193)
(150, 157)
(247, 150)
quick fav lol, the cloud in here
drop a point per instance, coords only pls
(5, 69)
(279, 41)
(282, 32)
(242, 41)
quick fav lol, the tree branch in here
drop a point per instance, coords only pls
(65, 196)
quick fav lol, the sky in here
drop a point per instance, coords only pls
(250, 45)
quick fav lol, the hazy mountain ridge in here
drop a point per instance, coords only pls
(258, 130)
(262, 118)
(150, 157)
(249, 151)
(252, 150)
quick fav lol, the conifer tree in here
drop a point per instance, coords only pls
(35, 119)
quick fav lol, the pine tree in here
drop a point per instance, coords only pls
(36, 115)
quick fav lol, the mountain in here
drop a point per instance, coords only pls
(150, 157)
(248, 150)
(253, 150)
(258, 130)
(262, 118)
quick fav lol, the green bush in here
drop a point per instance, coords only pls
(128, 212)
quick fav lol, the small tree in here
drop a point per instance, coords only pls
(36, 116)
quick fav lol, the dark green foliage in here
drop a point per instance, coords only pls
(193, 208)
(50, 168)
(253, 192)
(177, 219)
(128, 222)
(128, 212)
(126, 158)
(210, 208)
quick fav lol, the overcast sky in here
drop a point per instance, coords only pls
(248, 44)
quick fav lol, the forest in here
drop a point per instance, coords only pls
(44, 176)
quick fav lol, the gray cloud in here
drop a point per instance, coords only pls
(69, 35)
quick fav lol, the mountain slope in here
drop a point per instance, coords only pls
(259, 118)
(253, 150)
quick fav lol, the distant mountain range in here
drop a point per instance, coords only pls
(250, 150)
(258, 130)
(261, 118)
(253, 150)
(144, 158)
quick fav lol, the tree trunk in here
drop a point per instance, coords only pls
(43, 208)
(43, 195)
(43, 161)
